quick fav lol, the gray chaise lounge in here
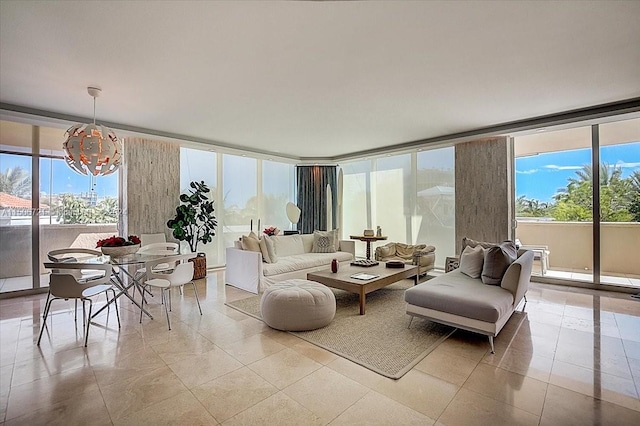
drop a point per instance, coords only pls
(461, 301)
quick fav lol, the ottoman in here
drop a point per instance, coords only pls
(297, 305)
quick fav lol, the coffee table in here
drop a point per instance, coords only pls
(342, 279)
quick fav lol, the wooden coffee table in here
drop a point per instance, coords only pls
(343, 281)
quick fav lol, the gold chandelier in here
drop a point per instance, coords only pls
(90, 148)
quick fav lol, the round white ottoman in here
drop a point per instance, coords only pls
(297, 305)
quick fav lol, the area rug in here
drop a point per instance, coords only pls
(379, 340)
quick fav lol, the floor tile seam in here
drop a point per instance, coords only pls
(599, 369)
(203, 407)
(594, 397)
(246, 364)
(507, 403)
(102, 396)
(296, 381)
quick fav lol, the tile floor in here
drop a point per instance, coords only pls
(573, 357)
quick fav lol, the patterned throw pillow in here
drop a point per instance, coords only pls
(324, 242)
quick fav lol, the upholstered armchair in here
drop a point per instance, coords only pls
(421, 255)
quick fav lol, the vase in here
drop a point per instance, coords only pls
(334, 265)
(120, 251)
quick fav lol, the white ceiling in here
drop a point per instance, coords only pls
(317, 79)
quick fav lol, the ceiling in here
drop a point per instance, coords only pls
(316, 79)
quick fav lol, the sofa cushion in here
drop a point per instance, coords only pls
(307, 242)
(473, 243)
(268, 250)
(324, 242)
(288, 245)
(303, 261)
(471, 261)
(496, 261)
(458, 294)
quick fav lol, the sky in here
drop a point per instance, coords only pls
(540, 176)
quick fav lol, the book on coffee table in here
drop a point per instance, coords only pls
(363, 276)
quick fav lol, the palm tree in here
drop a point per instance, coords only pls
(608, 174)
(15, 181)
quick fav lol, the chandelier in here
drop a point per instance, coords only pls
(92, 148)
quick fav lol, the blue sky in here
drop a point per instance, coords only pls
(540, 176)
(57, 178)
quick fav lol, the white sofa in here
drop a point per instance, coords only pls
(246, 270)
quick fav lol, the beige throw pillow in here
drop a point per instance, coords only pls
(496, 261)
(271, 249)
(265, 252)
(250, 244)
(471, 261)
(324, 242)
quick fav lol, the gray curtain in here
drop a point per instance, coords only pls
(312, 196)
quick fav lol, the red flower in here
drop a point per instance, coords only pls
(114, 241)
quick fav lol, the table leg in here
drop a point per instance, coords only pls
(124, 290)
(362, 300)
(368, 250)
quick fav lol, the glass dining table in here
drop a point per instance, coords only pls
(129, 280)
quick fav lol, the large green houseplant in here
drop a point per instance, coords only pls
(194, 221)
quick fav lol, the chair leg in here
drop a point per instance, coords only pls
(491, 343)
(142, 304)
(75, 312)
(169, 291)
(115, 305)
(44, 321)
(45, 303)
(84, 317)
(197, 298)
(166, 310)
(86, 338)
(410, 321)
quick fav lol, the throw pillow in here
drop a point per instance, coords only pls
(471, 261)
(496, 261)
(271, 248)
(250, 244)
(473, 243)
(324, 242)
(265, 252)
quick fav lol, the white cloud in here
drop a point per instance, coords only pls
(554, 167)
(627, 165)
(527, 172)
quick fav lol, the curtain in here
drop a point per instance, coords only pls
(312, 196)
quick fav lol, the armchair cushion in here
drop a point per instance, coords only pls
(419, 254)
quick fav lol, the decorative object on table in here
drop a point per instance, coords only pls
(368, 233)
(195, 222)
(365, 263)
(91, 148)
(367, 239)
(119, 246)
(394, 264)
(334, 265)
(271, 231)
(293, 213)
(379, 232)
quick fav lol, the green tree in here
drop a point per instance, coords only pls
(15, 181)
(75, 210)
(526, 207)
(634, 205)
(575, 202)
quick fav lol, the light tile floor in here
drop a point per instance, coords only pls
(572, 357)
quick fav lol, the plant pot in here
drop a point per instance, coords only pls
(199, 266)
(120, 251)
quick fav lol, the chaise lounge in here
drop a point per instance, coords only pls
(461, 301)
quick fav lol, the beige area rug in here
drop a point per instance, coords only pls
(379, 340)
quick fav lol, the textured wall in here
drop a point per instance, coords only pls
(151, 185)
(483, 190)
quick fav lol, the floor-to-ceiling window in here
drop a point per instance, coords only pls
(554, 176)
(62, 207)
(202, 166)
(248, 193)
(410, 196)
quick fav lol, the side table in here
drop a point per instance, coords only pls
(368, 240)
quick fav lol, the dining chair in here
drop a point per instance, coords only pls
(70, 255)
(146, 239)
(66, 285)
(181, 274)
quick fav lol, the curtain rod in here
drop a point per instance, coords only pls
(321, 165)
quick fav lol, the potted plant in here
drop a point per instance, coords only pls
(195, 223)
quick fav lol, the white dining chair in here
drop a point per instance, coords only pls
(180, 274)
(65, 285)
(146, 239)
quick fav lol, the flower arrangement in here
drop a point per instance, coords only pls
(271, 231)
(114, 241)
